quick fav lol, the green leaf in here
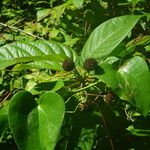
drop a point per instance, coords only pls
(83, 131)
(147, 48)
(106, 37)
(138, 132)
(78, 3)
(109, 76)
(134, 2)
(111, 60)
(140, 41)
(45, 64)
(36, 124)
(47, 86)
(43, 13)
(3, 120)
(40, 50)
(58, 85)
(135, 83)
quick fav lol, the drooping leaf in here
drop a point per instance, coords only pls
(134, 82)
(40, 50)
(36, 125)
(106, 37)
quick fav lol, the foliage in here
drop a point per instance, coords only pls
(44, 106)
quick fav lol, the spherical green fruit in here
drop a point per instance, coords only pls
(68, 64)
(90, 64)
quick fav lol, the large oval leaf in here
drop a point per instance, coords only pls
(36, 125)
(33, 51)
(134, 83)
(105, 38)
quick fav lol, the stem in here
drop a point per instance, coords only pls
(2, 101)
(77, 74)
(106, 127)
(14, 28)
(86, 87)
(71, 112)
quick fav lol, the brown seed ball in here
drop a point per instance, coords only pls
(90, 64)
(68, 64)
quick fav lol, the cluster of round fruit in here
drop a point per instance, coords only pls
(90, 64)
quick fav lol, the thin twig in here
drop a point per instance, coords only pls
(106, 128)
(20, 30)
(72, 111)
(86, 87)
(128, 115)
(2, 101)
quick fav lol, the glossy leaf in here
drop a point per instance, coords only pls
(105, 38)
(33, 51)
(36, 124)
(134, 82)
(109, 76)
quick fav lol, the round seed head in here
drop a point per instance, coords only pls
(90, 64)
(68, 64)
